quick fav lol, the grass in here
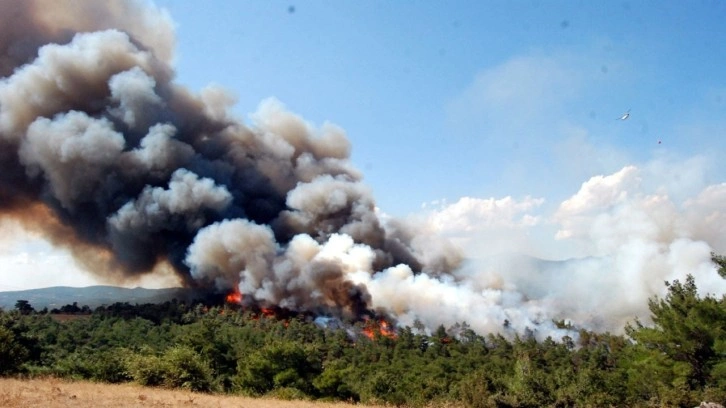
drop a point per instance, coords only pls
(55, 393)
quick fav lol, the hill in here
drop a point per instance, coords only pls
(93, 296)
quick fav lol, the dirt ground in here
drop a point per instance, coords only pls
(54, 393)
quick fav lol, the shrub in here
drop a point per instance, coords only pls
(110, 366)
(277, 365)
(146, 369)
(12, 353)
(184, 368)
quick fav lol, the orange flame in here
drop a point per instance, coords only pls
(386, 330)
(380, 327)
(234, 297)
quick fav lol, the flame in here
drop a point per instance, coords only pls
(234, 297)
(380, 327)
(255, 312)
(386, 330)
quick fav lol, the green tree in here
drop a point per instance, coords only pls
(145, 368)
(478, 390)
(684, 342)
(720, 262)
(281, 364)
(12, 353)
(332, 382)
(184, 368)
(529, 385)
(24, 307)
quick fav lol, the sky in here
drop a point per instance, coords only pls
(494, 124)
(481, 99)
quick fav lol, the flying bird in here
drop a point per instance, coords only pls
(625, 115)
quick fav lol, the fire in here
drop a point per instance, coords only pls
(381, 327)
(268, 312)
(234, 297)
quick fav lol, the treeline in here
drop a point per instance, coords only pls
(678, 361)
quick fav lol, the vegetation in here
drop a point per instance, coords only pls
(677, 361)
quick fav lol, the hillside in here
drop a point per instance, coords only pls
(230, 349)
(93, 296)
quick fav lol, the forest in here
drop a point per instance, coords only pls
(678, 360)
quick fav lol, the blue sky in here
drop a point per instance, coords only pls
(495, 125)
(483, 99)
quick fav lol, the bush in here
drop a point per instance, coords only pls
(332, 383)
(477, 391)
(110, 366)
(146, 369)
(278, 365)
(73, 366)
(184, 368)
(12, 353)
(384, 388)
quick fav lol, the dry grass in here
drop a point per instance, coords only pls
(54, 393)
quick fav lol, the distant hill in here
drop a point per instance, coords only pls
(93, 296)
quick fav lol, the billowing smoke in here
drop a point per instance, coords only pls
(105, 155)
(594, 259)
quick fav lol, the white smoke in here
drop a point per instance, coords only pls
(305, 275)
(625, 236)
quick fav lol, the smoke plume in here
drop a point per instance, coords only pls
(594, 259)
(105, 155)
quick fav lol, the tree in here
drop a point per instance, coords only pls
(332, 382)
(146, 368)
(685, 336)
(184, 368)
(12, 353)
(24, 307)
(720, 262)
(281, 364)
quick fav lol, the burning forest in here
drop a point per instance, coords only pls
(106, 156)
(308, 289)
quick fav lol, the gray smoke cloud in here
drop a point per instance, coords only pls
(594, 259)
(105, 155)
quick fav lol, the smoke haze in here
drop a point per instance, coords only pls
(611, 246)
(104, 155)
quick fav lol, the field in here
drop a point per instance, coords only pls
(54, 393)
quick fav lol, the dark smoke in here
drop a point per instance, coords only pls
(103, 153)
